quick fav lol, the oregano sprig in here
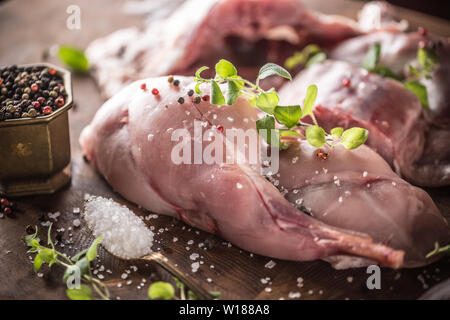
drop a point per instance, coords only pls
(289, 118)
(79, 264)
(427, 58)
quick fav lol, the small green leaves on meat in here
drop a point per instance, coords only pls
(309, 55)
(372, 57)
(315, 136)
(217, 97)
(419, 90)
(354, 137)
(266, 127)
(225, 69)
(337, 132)
(272, 69)
(310, 100)
(288, 115)
(267, 101)
(281, 125)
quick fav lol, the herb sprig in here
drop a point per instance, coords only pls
(165, 291)
(79, 264)
(427, 58)
(310, 54)
(288, 117)
(438, 250)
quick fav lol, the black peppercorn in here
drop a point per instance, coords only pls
(30, 230)
(197, 100)
(176, 83)
(180, 100)
(190, 93)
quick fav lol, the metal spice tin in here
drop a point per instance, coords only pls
(35, 153)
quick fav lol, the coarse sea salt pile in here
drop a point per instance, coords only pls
(124, 234)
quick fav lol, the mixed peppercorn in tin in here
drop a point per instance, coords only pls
(34, 129)
(30, 91)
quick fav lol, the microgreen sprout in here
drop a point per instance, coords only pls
(79, 264)
(165, 291)
(289, 118)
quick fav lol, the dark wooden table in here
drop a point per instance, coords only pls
(27, 30)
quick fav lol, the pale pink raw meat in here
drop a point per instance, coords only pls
(246, 32)
(350, 96)
(129, 142)
(398, 52)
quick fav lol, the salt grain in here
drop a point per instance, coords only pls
(124, 234)
(270, 264)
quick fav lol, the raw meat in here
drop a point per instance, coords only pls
(130, 142)
(380, 15)
(350, 96)
(398, 51)
(246, 32)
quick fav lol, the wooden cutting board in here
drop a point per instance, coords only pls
(26, 34)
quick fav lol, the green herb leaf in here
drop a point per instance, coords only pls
(289, 133)
(385, 72)
(199, 71)
(427, 58)
(91, 254)
(419, 90)
(197, 88)
(232, 93)
(309, 55)
(217, 97)
(82, 265)
(267, 101)
(310, 100)
(34, 242)
(225, 69)
(178, 283)
(79, 255)
(192, 295)
(315, 136)
(83, 293)
(318, 57)
(37, 264)
(73, 58)
(161, 290)
(288, 115)
(337, 132)
(413, 70)
(272, 69)
(215, 294)
(48, 255)
(267, 123)
(372, 57)
(354, 137)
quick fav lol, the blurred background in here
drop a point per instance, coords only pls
(439, 8)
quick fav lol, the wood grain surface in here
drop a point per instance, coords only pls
(26, 33)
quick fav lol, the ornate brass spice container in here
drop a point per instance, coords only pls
(35, 153)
